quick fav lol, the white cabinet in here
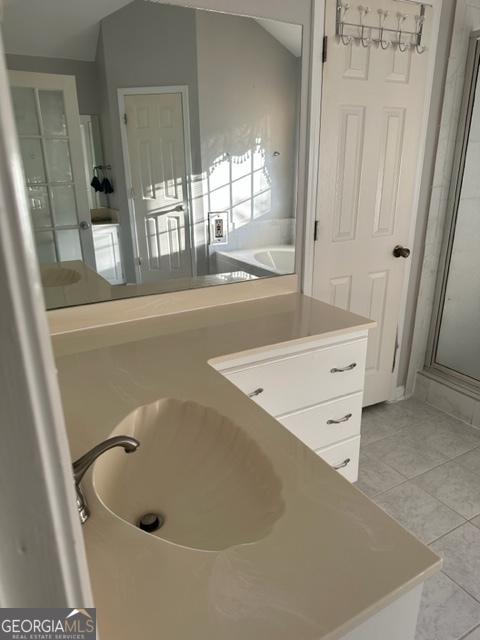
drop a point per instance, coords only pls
(315, 390)
(106, 241)
(302, 380)
(326, 423)
(343, 456)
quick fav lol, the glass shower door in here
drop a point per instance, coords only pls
(456, 347)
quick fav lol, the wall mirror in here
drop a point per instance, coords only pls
(454, 344)
(159, 144)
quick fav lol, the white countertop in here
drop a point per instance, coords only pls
(331, 560)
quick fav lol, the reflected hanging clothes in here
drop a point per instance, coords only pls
(106, 186)
(96, 184)
(97, 180)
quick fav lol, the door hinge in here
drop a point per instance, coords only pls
(139, 261)
(125, 118)
(324, 49)
(315, 231)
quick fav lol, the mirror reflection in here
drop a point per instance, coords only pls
(159, 145)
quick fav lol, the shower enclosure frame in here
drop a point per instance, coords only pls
(464, 381)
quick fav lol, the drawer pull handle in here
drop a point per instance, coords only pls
(349, 367)
(344, 419)
(256, 392)
(342, 465)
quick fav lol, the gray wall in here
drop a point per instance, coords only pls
(144, 44)
(296, 11)
(237, 74)
(85, 75)
(248, 90)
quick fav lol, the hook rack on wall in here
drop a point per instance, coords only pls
(385, 36)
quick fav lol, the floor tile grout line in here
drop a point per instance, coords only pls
(391, 435)
(418, 474)
(405, 480)
(476, 473)
(453, 426)
(465, 519)
(460, 587)
(442, 414)
(447, 533)
(412, 478)
(465, 637)
(381, 493)
(407, 528)
(439, 499)
(447, 459)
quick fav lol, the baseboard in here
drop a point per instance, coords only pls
(448, 397)
(399, 393)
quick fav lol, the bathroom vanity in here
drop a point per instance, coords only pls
(314, 389)
(262, 538)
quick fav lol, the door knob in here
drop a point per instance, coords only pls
(84, 225)
(401, 252)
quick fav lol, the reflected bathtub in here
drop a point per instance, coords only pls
(276, 259)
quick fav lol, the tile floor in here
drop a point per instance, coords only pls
(423, 468)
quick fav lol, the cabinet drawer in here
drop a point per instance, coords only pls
(327, 423)
(298, 381)
(344, 457)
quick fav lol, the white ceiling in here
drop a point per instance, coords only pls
(290, 35)
(55, 28)
(69, 28)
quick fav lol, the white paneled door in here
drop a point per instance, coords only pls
(157, 163)
(370, 150)
(48, 127)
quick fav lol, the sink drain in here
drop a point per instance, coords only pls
(151, 522)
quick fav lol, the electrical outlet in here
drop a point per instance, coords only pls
(218, 227)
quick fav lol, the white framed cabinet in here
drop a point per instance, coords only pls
(314, 389)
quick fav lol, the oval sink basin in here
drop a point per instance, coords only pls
(59, 276)
(210, 481)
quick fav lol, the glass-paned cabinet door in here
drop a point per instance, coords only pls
(48, 127)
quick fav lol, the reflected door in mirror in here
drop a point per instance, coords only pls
(46, 113)
(159, 196)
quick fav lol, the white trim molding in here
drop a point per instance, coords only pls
(42, 556)
(432, 50)
(446, 395)
(315, 78)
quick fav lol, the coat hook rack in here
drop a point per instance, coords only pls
(369, 34)
(402, 46)
(382, 16)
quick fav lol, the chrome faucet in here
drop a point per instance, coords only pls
(81, 466)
